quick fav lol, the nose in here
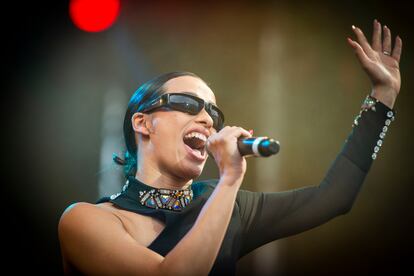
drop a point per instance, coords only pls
(204, 118)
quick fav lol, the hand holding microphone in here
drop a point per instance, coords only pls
(257, 146)
(231, 144)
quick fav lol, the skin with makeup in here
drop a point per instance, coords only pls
(104, 239)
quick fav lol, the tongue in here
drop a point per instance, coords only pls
(199, 153)
(194, 143)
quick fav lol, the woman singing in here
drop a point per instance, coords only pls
(163, 223)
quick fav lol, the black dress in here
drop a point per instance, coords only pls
(262, 217)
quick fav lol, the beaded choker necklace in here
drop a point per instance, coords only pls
(169, 199)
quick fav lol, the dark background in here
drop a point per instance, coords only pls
(51, 132)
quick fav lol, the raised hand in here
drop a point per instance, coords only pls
(380, 61)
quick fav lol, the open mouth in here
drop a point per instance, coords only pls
(196, 143)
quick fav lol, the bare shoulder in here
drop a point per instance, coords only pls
(85, 207)
(79, 208)
(83, 218)
(79, 212)
(89, 233)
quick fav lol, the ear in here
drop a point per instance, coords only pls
(139, 123)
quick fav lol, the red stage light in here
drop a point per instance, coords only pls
(94, 15)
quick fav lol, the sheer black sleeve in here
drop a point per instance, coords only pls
(269, 216)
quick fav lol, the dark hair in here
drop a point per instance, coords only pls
(146, 93)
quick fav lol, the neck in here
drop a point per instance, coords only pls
(151, 175)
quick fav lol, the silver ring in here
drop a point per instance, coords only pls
(387, 53)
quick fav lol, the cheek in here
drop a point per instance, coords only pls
(171, 122)
(168, 128)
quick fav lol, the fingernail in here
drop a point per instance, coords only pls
(251, 131)
(385, 27)
(353, 27)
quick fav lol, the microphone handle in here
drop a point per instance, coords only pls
(258, 146)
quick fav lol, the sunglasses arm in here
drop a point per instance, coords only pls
(156, 103)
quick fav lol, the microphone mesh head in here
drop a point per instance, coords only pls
(269, 147)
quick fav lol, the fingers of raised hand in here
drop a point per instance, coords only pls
(386, 43)
(381, 41)
(386, 47)
(376, 37)
(362, 57)
(362, 40)
(377, 44)
(396, 52)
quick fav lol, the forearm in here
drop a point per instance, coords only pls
(370, 128)
(206, 236)
(361, 149)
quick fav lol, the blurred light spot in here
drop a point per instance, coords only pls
(94, 15)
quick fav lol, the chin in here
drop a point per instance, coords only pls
(192, 171)
(189, 167)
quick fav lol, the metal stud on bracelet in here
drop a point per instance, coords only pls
(369, 104)
(391, 117)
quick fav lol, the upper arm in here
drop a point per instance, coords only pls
(95, 242)
(269, 216)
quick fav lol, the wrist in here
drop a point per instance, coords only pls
(232, 177)
(385, 95)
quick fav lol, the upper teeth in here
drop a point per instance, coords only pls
(196, 134)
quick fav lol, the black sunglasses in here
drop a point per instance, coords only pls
(189, 104)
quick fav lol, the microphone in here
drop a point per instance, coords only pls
(258, 146)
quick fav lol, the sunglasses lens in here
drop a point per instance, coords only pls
(185, 104)
(193, 106)
(217, 117)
